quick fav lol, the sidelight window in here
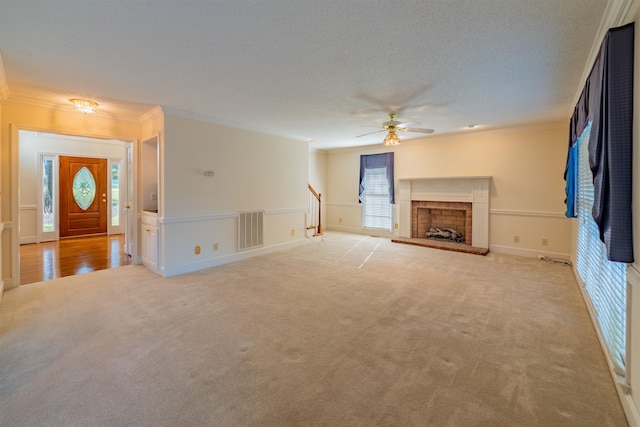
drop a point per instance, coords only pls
(48, 219)
(115, 194)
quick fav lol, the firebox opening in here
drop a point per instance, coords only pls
(444, 221)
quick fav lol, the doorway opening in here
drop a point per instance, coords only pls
(89, 195)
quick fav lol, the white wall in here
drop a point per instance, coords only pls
(34, 143)
(252, 171)
(318, 170)
(527, 187)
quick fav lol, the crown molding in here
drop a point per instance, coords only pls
(153, 114)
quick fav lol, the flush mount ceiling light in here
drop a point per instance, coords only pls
(84, 105)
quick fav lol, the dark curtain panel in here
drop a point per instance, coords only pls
(611, 142)
(607, 100)
(570, 176)
(375, 161)
(577, 124)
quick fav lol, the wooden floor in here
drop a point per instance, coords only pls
(68, 257)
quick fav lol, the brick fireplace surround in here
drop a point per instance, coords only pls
(427, 214)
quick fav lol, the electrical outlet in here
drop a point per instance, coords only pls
(545, 242)
(395, 226)
(215, 246)
(293, 232)
(340, 220)
(197, 250)
(516, 239)
(154, 196)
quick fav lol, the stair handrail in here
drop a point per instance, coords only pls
(318, 196)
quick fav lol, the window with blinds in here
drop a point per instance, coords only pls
(605, 281)
(376, 209)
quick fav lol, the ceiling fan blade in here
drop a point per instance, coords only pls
(370, 133)
(412, 122)
(418, 130)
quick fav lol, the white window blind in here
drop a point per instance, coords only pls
(376, 209)
(604, 281)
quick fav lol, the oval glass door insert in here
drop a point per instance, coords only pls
(84, 188)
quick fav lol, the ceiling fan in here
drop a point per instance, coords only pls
(392, 127)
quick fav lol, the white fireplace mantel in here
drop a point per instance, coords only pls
(474, 189)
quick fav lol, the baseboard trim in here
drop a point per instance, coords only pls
(7, 284)
(530, 253)
(630, 409)
(226, 259)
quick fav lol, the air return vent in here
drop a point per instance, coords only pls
(250, 230)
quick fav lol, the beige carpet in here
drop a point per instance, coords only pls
(352, 331)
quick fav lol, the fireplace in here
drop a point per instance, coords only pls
(460, 203)
(428, 216)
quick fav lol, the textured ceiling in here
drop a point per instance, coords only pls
(314, 69)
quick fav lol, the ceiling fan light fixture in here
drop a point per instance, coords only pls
(391, 139)
(392, 127)
(84, 105)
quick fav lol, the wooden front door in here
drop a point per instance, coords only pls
(83, 196)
